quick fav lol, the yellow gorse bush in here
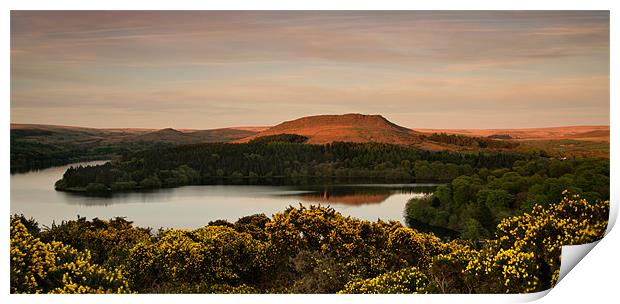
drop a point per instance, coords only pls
(38, 267)
(213, 254)
(525, 253)
(408, 280)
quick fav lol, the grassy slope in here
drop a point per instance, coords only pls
(578, 141)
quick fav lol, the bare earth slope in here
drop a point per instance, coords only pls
(322, 129)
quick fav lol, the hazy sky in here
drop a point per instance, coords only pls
(219, 69)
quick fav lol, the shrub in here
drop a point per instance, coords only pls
(408, 280)
(212, 254)
(38, 267)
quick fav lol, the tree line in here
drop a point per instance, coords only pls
(35, 155)
(266, 162)
(492, 142)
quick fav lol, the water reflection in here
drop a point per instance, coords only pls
(358, 194)
(33, 195)
(327, 198)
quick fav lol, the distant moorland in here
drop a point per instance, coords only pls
(40, 146)
(35, 146)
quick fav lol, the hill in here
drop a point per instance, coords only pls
(323, 129)
(167, 135)
(37, 146)
(174, 136)
(222, 135)
(75, 135)
(581, 141)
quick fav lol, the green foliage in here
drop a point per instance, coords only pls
(274, 161)
(473, 230)
(475, 204)
(287, 138)
(474, 142)
(96, 187)
(150, 182)
(123, 186)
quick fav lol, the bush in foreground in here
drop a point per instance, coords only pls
(38, 267)
(304, 250)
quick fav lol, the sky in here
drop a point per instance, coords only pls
(211, 69)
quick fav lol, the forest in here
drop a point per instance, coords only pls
(475, 204)
(34, 155)
(473, 141)
(274, 161)
(290, 138)
(300, 250)
(36, 147)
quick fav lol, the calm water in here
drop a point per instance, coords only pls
(33, 195)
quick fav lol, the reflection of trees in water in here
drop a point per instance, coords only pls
(356, 199)
(324, 194)
(109, 199)
(356, 195)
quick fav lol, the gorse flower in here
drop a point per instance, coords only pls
(38, 267)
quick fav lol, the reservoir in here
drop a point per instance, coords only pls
(33, 194)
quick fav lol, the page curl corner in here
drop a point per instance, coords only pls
(572, 255)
